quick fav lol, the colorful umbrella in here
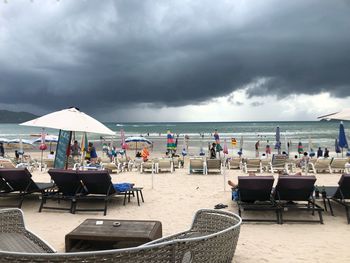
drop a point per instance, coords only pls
(170, 142)
(137, 142)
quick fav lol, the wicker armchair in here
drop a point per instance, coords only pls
(213, 237)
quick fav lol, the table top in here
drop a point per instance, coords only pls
(103, 229)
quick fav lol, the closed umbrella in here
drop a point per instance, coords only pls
(278, 140)
(342, 141)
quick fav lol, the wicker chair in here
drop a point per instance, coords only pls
(213, 237)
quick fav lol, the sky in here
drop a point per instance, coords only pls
(179, 60)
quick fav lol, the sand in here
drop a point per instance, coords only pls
(174, 200)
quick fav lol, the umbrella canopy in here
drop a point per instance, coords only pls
(341, 115)
(48, 138)
(137, 142)
(278, 140)
(342, 141)
(70, 120)
(20, 143)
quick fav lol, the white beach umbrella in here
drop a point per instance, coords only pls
(70, 120)
(341, 115)
(20, 143)
(48, 138)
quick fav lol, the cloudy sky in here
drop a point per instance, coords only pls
(179, 60)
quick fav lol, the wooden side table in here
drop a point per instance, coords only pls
(95, 234)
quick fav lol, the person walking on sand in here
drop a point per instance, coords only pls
(326, 153)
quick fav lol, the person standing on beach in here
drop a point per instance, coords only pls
(2, 150)
(257, 149)
(75, 150)
(319, 152)
(267, 149)
(326, 153)
(93, 153)
(213, 151)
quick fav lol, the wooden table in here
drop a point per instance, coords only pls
(92, 235)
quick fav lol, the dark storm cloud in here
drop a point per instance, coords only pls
(118, 53)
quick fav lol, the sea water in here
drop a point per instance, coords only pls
(312, 134)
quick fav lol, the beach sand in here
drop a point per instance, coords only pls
(176, 197)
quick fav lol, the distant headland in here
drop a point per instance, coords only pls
(15, 117)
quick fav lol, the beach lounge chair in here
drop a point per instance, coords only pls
(97, 185)
(321, 164)
(279, 163)
(197, 165)
(338, 164)
(214, 165)
(149, 165)
(254, 194)
(296, 193)
(235, 163)
(110, 166)
(20, 184)
(292, 164)
(136, 163)
(339, 194)
(164, 164)
(252, 165)
(6, 163)
(177, 162)
(265, 164)
(123, 164)
(68, 187)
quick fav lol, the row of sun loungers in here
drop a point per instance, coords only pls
(205, 166)
(67, 185)
(282, 163)
(256, 193)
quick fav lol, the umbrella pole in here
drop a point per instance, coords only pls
(152, 178)
(41, 162)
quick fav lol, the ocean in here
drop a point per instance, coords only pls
(320, 133)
